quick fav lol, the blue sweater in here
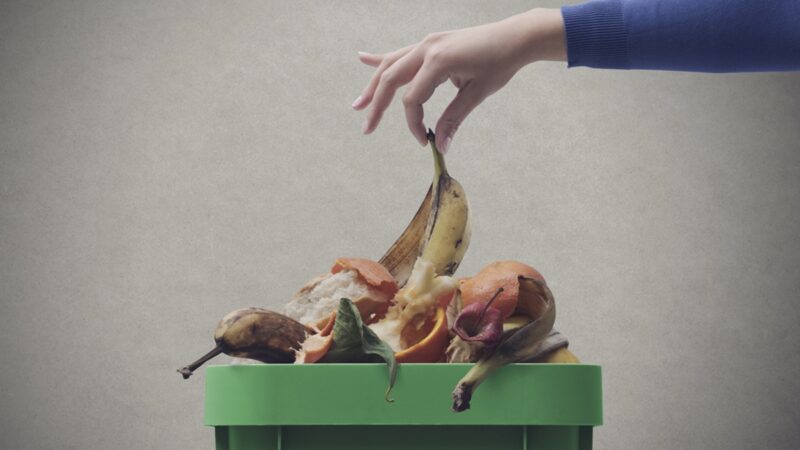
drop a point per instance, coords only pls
(690, 35)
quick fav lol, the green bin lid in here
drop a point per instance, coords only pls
(353, 394)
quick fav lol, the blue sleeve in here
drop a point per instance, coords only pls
(689, 35)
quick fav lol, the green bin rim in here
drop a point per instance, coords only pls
(353, 394)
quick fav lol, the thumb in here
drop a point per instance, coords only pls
(468, 97)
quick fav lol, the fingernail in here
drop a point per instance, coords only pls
(445, 145)
(365, 127)
(357, 101)
(363, 54)
(421, 137)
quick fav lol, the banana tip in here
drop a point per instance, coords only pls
(461, 397)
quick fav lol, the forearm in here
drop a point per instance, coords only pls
(690, 35)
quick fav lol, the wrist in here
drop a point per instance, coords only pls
(542, 35)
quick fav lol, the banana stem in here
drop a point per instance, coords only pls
(439, 167)
(188, 370)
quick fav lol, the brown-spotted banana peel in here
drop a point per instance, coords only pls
(440, 230)
(255, 333)
(523, 344)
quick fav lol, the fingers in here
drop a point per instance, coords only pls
(418, 92)
(370, 59)
(400, 73)
(468, 97)
(386, 62)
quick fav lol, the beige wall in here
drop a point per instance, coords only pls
(162, 163)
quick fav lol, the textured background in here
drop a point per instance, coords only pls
(162, 163)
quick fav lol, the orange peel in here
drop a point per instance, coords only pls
(431, 347)
(370, 271)
(377, 276)
(501, 274)
(317, 345)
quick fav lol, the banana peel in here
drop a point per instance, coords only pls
(523, 344)
(440, 230)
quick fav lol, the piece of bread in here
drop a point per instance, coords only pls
(313, 303)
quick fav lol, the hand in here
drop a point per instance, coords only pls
(478, 61)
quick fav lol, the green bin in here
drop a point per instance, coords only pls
(342, 406)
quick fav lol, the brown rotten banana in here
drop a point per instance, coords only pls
(255, 333)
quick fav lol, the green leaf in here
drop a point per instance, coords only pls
(354, 342)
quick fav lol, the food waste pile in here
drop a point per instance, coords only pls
(408, 307)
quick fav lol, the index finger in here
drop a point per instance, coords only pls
(420, 91)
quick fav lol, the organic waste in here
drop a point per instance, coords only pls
(369, 285)
(317, 345)
(514, 300)
(416, 326)
(522, 343)
(354, 342)
(440, 230)
(255, 333)
(480, 322)
(407, 307)
(506, 275)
